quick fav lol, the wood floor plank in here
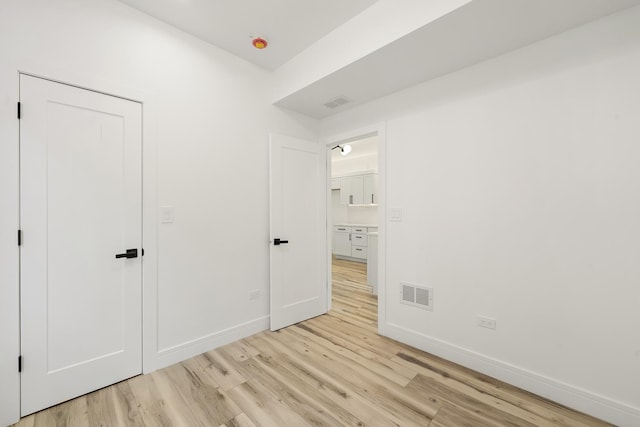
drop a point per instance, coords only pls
(450, 416)
(386, 394)
(71, 413)
(161, 402)
(388, 369)
(206, 400)
(300, 399)
(343, 395)
(490, 414)
(216, 368)
(241, 420)
(241, 350)
(262, 407)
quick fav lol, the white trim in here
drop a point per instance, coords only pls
(9, 250)
(379, 129)
(186, 350)
(574, 397)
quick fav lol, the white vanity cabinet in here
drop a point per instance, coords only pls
(351, 242)
(341, 244)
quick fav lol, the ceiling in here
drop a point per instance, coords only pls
(288, 25)
(471, 32)
(477, 31)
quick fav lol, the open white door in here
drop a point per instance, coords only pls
(81, 194)
(298, 230)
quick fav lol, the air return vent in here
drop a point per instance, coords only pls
(417, 296)
(337, 102)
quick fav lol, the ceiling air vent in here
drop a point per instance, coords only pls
(337, 102)
(417, 296)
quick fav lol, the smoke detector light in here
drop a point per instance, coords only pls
(259, 43)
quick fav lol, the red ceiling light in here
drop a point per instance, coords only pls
(259, 43)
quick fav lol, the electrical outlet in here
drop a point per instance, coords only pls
(486, 322)
(254, 295)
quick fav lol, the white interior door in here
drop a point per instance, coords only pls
(298, 230)
(81, 194)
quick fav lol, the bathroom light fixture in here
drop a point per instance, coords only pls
(344, 150)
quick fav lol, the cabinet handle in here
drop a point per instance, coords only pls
(350, 199)
(372, 198)
(349, 236)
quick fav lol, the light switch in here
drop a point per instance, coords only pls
(395, 214)
(166, 214)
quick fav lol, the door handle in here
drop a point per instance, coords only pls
(131, 253)
(277, 242)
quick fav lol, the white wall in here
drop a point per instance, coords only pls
(520, 189)
(207, 117)
(349, 165)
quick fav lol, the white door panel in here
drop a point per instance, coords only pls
(298, 216)
(80, 205)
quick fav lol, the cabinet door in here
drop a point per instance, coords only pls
(341, 243)
(346, 184)
(357, 190)
(335, 183)
(371, 188)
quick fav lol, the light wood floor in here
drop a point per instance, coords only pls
(329, 371)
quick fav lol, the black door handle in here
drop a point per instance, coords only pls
(131, 253)
(277, 242)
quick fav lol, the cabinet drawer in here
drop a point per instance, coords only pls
(358, 229)
(342, 229)
(359, 252)
(359, 239)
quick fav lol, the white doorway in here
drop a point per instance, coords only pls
(356, 211)
(81, 222)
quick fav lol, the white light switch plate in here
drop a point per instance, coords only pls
(395, 214)
(166, 214)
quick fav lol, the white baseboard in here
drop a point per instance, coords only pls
(581, 400)
(192, 348)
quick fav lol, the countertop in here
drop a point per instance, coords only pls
(355, 225)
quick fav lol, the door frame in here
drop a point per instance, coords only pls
(378, 129)
(150, 114)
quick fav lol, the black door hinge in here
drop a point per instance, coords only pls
(19, 112)
(19, 363)
(19, 237)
